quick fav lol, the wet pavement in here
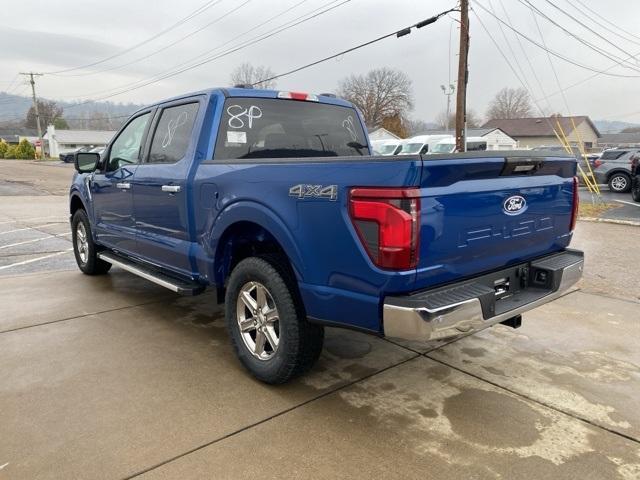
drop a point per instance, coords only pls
(114, 377)
(626, 209)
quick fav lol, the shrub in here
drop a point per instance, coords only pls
(3, 148)
(24, 150)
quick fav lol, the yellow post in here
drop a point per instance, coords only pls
(584, 155)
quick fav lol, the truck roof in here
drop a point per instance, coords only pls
(247, 92)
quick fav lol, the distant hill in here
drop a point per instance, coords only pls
(92, 115)
(613, 126)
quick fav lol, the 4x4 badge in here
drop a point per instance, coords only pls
(330, 192)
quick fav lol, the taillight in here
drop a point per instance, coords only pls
(575, 205)
(597, 163)
(388, 223)
(298, 96)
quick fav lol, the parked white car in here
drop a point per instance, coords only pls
(386, 147)
(448, 145)
(421, 144)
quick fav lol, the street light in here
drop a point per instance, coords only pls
(448, 92)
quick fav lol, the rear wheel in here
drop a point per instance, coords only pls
(635, 189)
(267, 322)
(84, 248)
(619, 183)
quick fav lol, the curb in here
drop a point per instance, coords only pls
(609, 220)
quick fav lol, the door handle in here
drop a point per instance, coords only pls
(171, 188)
(124, 186)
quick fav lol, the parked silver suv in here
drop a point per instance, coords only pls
(614, 168)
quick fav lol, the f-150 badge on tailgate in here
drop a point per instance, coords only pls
(514, 205)
(330, 192)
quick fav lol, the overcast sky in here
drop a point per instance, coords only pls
(51, 36)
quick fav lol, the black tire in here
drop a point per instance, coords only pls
(299, 342)
(635, 189)
(87, 258)
(620, 182)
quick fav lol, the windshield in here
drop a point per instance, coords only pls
(411, 147)
(388, 149)
(613, 154)
(274, 128)
(443, 148)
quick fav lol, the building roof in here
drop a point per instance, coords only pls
(384, 134)
(82, 137)
(619, 138)
(471, 132)
(538, 126)
(17, 131)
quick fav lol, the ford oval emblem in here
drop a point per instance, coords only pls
(514, 205)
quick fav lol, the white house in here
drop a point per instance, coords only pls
(495, 137)
(382, 134)
(63, 141)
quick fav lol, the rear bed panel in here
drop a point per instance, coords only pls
(465, 230)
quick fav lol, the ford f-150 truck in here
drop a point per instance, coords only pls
(273, 199)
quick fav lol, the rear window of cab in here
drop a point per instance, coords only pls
(278, 128)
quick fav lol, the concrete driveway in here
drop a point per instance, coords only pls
(114, 377)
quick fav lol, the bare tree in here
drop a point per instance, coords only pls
(248, 74)
(49, 111)
(381, 93)
(473, 120)
(510, 103)
(415, 126)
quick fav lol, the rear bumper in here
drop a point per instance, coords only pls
(481, 302)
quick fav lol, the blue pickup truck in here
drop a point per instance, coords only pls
(273, 199)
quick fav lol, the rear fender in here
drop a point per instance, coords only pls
(260, 215)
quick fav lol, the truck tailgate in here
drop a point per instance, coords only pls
(483, 214)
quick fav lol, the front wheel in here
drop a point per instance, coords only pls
(619, 183)
(267, 322)
(84, 248)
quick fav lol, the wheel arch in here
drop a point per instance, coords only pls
(76, 203)
(251, 230)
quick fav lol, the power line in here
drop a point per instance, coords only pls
(398, 33)
(506, 59)
(615, 31)
(159, 77)
(528, 59)
(553, 52)
(191, 15)
(607, 21)
(164, 47)
(604, 53)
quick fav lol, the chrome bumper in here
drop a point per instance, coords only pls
(426, 322)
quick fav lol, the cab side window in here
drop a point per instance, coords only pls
(173, 133)
(126, 149)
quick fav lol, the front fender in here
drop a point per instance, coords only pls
(261, 215)
(81, 191)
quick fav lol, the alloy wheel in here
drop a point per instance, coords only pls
(258, 320)
(82, 243)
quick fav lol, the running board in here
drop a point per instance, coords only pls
(182, 287)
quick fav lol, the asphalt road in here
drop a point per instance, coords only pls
(626, 209)
(114, 377)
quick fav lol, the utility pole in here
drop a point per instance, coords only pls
(448, 92)
(463, 76)
(35, 106)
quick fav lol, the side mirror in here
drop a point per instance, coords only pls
(86, 162)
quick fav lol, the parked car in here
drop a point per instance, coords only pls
(420, 144)
(272, 199)
(448, 145)
(635, 177)
(386, 147)
(69, 157)
(614, 168)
